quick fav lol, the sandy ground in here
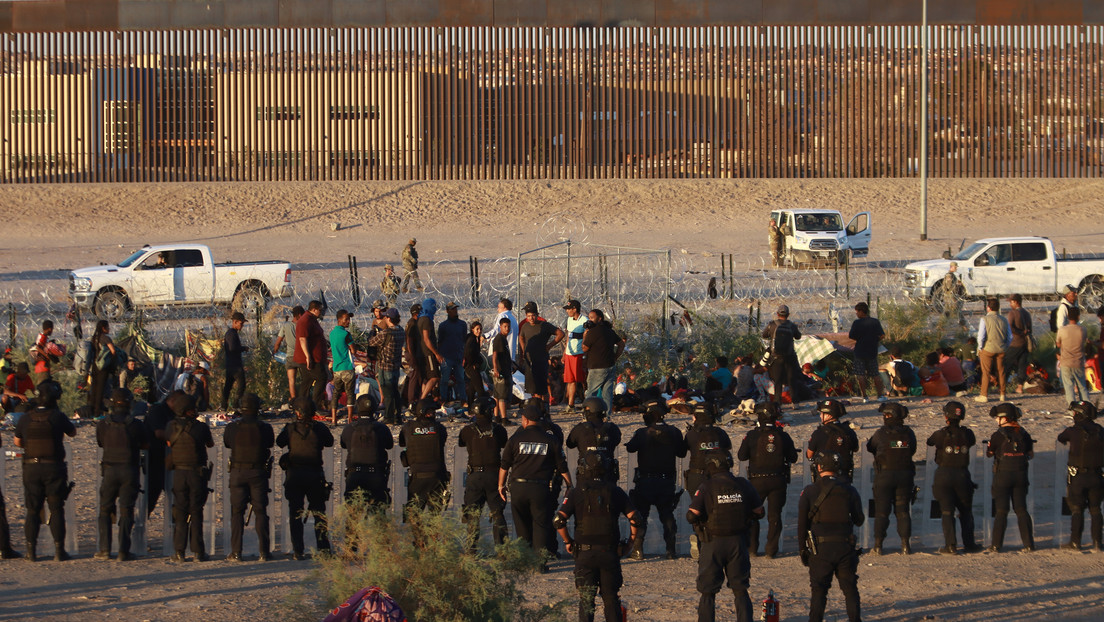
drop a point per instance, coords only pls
(48, 228)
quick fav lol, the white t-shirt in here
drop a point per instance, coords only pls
(575, 329)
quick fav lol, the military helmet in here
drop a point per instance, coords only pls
(483, 408)
(716, 464)
(831, 408)
(829, 461)
(1082, 410)
(893, 410)
(594, 406)
(705, 413)
(1008, 410)
(425, 407)
(48, 392)
(366, 405)
(767, 412)
(181, 404)
(655, 411)
(954, 411)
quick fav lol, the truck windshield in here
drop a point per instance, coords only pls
(133, 258)
(968, 252)
(818, 222)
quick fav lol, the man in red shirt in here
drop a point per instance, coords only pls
(311, 353)
(17, 386)
(42, 359)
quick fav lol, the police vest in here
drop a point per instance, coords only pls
(955, 452)
(595, 521)
(769, 456)
(423, 446)
(658, 453)
(304, 447)
(727, 509)
(117, 446)
(38, 435)
(835, 510)
(247, 452)
(363, 448)
(483, 450)
(1012, 455)
(185, 450)
(595, 437)
(896, 454)
(1091, 454)
(708, 442)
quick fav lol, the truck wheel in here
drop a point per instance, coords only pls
(249, 299)
(111, 306)
(1092, 294)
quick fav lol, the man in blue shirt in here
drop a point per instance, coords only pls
(451, 335)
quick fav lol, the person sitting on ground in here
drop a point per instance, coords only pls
(931, 377)
(745, 379)
(952, 371)
(720, 377)
(903, 379)
(17, 387)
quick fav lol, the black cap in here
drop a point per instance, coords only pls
(426, 407)
(573, 304)
(954, 410)
(532, 412)
(121, 397)
(1008, 410)
(366, 405)
(530, 307)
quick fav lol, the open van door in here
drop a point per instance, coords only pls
(858, 234)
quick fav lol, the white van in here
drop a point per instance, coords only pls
(813, 236)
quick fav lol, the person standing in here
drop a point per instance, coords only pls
(232, 350)
(1010, 447)
(423, 439)
(502, 370)
(781, 334)
(657, 446)
(42, 358)
(1015, 357)
(774, 242)
(1067, 304)
(473, 365)
(1070, 342)
(951, 292)
(596, 434)
(603, 346)
(389, 347)
(344, 376)
(410, 266)
(769, 452)
(723, 508)
(531, 458)
(703, 440)
(867, 333)
(574, 363)
(6, 550)
(451, 335)
(994, 337)
(40, 433)
(827, 515)
(368, 443)
(311, 354)
(484, 440)
(834, 435)
(597, 505)
(390, 285)
(188, 441)
(506, 310)
(953, 488)
(103, 367)
(122, 438)
(893, 446)
(305, 480)
(533, 348)
(250, 442)
(431, 358)
(291, 344)
(1084, 484)
(415, 374)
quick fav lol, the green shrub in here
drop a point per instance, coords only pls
(654, 355)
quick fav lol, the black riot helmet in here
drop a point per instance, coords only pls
(425, 408)
(483, 409)
(304, 409)
(829, 461)
(705, 413)
(1082, 411)
(655, 411)
(832, 408)
(182, 404)
(954, 411)
(893, 413)
(715, 465)
(593, 465)
(120, 401)
(1008, 410)
(594, 409)
(49, 392)
(366, 405)
(767, 412)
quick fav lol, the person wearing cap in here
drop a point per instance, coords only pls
(994, 337)
(290, 344)
(379, 317)
(342, 353)
(829, 511)
(389, 348)
(530, 459)
(953, 487)
(951, 292)
(423, 440)
(502, 377)
(574, 363)
(769, 452)
(603, 346)
(893, 446)
(533, 348)
(367, 464)
(451, 335)
(410, 266)
(305, 479)
(250, 442)
(834, 435)
(40, 433)
(1084, 484)
(867, 333)
(1070, 342)
(781, 334)
(415, 375)
(484, 440)
(390, 285)
(429, 356)
(1010, 447)
(39, 354)
(658, 445)
(122, 438)
(1069, 301)
(188, 441)
(311, 353)
(232, 350)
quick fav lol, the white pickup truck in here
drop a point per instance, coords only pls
(816, 235)
(1003, 266)
(177, 274)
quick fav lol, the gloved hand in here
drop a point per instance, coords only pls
(805, 555)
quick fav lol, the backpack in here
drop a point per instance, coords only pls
(117, 448)
(370, 604)
(1054, 316)
(190, 385)
(769, 454)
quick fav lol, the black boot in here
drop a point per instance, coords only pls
(637, 551)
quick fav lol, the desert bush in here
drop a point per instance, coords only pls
(913, 327)
(687, 352)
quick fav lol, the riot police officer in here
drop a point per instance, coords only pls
(424, 439)
(6, 551)
(156, 420)
(45, 473)
(597, 505)
(702, 441)
(724, 507)
(530, 459)
(594, 433)
(188, 440)
(304, 479)
(557, 432)
(1010, 447)
(827, 514)
(769, 451)
(834, 435)
(953, 488)
(657, 445)
(1084, 485)
(368, 442)
(250, 442)
(893, 446)
(484, 440)
(122, 438)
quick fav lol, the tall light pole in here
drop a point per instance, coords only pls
(924, 122)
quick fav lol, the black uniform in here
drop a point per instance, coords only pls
(424, 439)
(188, 441)
(1084, 485)
(1011, 447)
(250, 442)
(533, 456)
(122, 438)
(597, 506)
(953, 488)
(45, 473)
(729, 505)
(830, 518)
(304, 479)
(156, 421)
(367, 466)
(654, 481)
(6, 551)
(893, 447)
(836, 436)
(704, 442)
(769, 451)
(783, 366)
(601, 437)
(484, 440)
